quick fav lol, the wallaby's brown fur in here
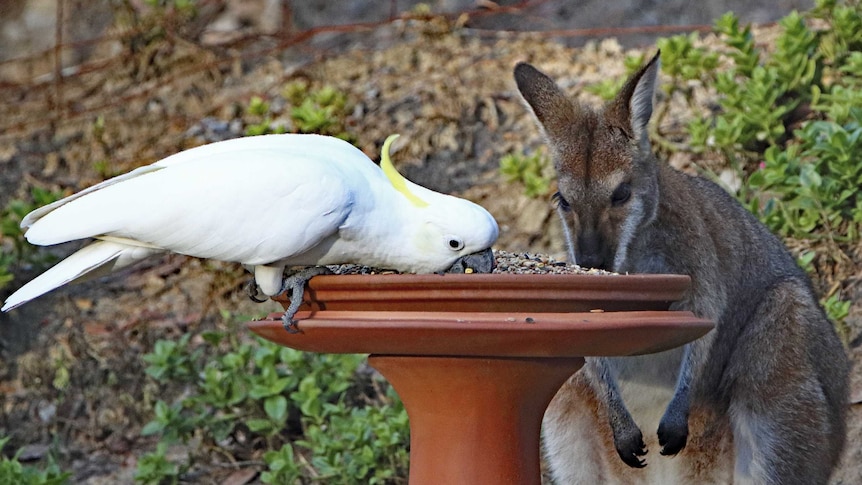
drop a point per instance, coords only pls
(760, 399)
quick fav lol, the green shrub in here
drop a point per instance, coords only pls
(155, 468)
(13, 472)
(282, 466)
(322, 111)
(682, 61)
(16, 251)
(312, 412)
(533, 171)
(812, 184)
(358, 445)
(806, 180)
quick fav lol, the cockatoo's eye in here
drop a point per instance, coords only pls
(454, 242)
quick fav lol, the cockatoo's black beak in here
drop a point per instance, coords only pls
(480, 262)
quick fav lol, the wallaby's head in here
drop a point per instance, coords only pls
(606, 174)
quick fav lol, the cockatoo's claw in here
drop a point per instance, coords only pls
(252, 290)
(300, 278)
(295, 283)
(289, 324)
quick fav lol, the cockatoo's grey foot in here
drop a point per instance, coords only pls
(295, 283)
(252, 290)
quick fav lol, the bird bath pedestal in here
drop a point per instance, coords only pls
(477, 358)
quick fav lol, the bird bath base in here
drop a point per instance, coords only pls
(475, 420)
(476, 375)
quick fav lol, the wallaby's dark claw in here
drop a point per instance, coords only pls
(630, 447)
(672, 442)
(672, 434)
(633, 461)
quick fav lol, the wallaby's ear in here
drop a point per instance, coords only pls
(632, 108)
(550, 105)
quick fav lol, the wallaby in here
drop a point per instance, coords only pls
(761, 398)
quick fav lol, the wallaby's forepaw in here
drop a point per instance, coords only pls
(672, 435)
(630, 446)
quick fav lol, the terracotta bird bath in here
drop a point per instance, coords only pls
(476, 358)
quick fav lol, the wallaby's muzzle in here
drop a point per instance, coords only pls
(590, 251)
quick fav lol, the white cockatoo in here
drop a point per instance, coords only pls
(267, 202)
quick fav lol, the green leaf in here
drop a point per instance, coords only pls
(151, 428)
(257, 425)
(809, 178)
(276, 408)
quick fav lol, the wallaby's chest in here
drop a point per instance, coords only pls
(647, 384)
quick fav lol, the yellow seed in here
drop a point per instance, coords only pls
(468, 270)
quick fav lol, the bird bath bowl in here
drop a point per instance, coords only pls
(476, 358)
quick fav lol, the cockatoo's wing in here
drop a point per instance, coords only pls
(37, 214)
(253, 201)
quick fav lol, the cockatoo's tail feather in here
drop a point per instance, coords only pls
(93, 260)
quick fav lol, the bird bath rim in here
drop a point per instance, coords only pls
(545, 293)
(505, 315)
(482, 334)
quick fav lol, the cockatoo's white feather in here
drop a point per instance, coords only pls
(266, 202)
(98, 258)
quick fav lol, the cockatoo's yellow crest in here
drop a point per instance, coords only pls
(395, 178)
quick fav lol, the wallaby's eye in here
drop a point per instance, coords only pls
(454, 242)
(561, 202)
(621, 195)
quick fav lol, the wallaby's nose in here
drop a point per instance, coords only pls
(591, 261)
(589, 253)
